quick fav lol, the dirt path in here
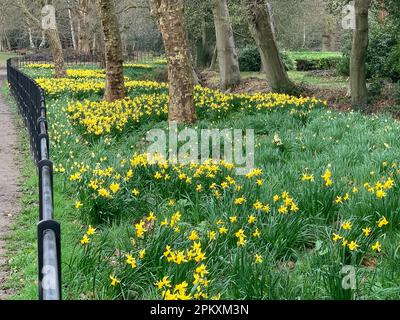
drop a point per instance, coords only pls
(9, 181)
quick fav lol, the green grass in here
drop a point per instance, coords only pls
(306, 78)
(22, 240)
(300, 259)
(3, 58)
(313, 55)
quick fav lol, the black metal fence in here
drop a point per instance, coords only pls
(32, 106)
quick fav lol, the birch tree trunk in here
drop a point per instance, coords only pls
(358, 83)
(115, 87)
(42, 43)
(170, 17)
(31, 42)
(227, 57)
(71, 23)
(260, 27)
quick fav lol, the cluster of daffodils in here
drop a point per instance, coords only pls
(160, 61)
(380, 188)
(327, 178)
(80, 87)
(137, 65)
(151, 100)
(268, 101)
(181, 291)
(188, 256)
(56, 87)
(187, 248)
(39, 66)
(287, 205)
(102, 117)
(100, 181)
(364, 239)
(85, 73)
(89, 232)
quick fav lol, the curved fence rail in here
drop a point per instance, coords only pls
(32, 107)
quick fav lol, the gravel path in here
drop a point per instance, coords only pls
(10, 178)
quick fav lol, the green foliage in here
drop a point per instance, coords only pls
(396, 92)
(382, 52)
(3, 58)
(375, 87)
(288, 61)
(383, 59)
(300, 259)
(314, 55)
(250, 60)
(310, 60)
(320, 64)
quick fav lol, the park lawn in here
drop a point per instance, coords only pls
(324, 82)
(306, 78)
(270, 235)
(3, 58)
(314, 55)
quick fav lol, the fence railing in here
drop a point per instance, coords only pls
(32, 106)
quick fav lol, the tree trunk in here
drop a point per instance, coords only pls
(115, 86)
(8, 44)
(99, 50)
(71, 23)
(214, 59)
(260, 28)
(227, 57)
(170, 17)
(31, 42)
(83, 41)
(43, 41)
(58, 56)
(94, 43)
(358, 83)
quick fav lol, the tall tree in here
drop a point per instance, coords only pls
(260, 25)
(53, 38)
(83, 27)
(227, 57)
(72, 27)
(51, 34)
(170, 18)
(358, 83)
(115, 86)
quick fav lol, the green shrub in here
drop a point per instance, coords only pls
(375, 88)
(318, 63)
(394, 110)
(250, 60)
(383, 59)
(394, 62)
(288, 61)
(396, 92)
(343, 67)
